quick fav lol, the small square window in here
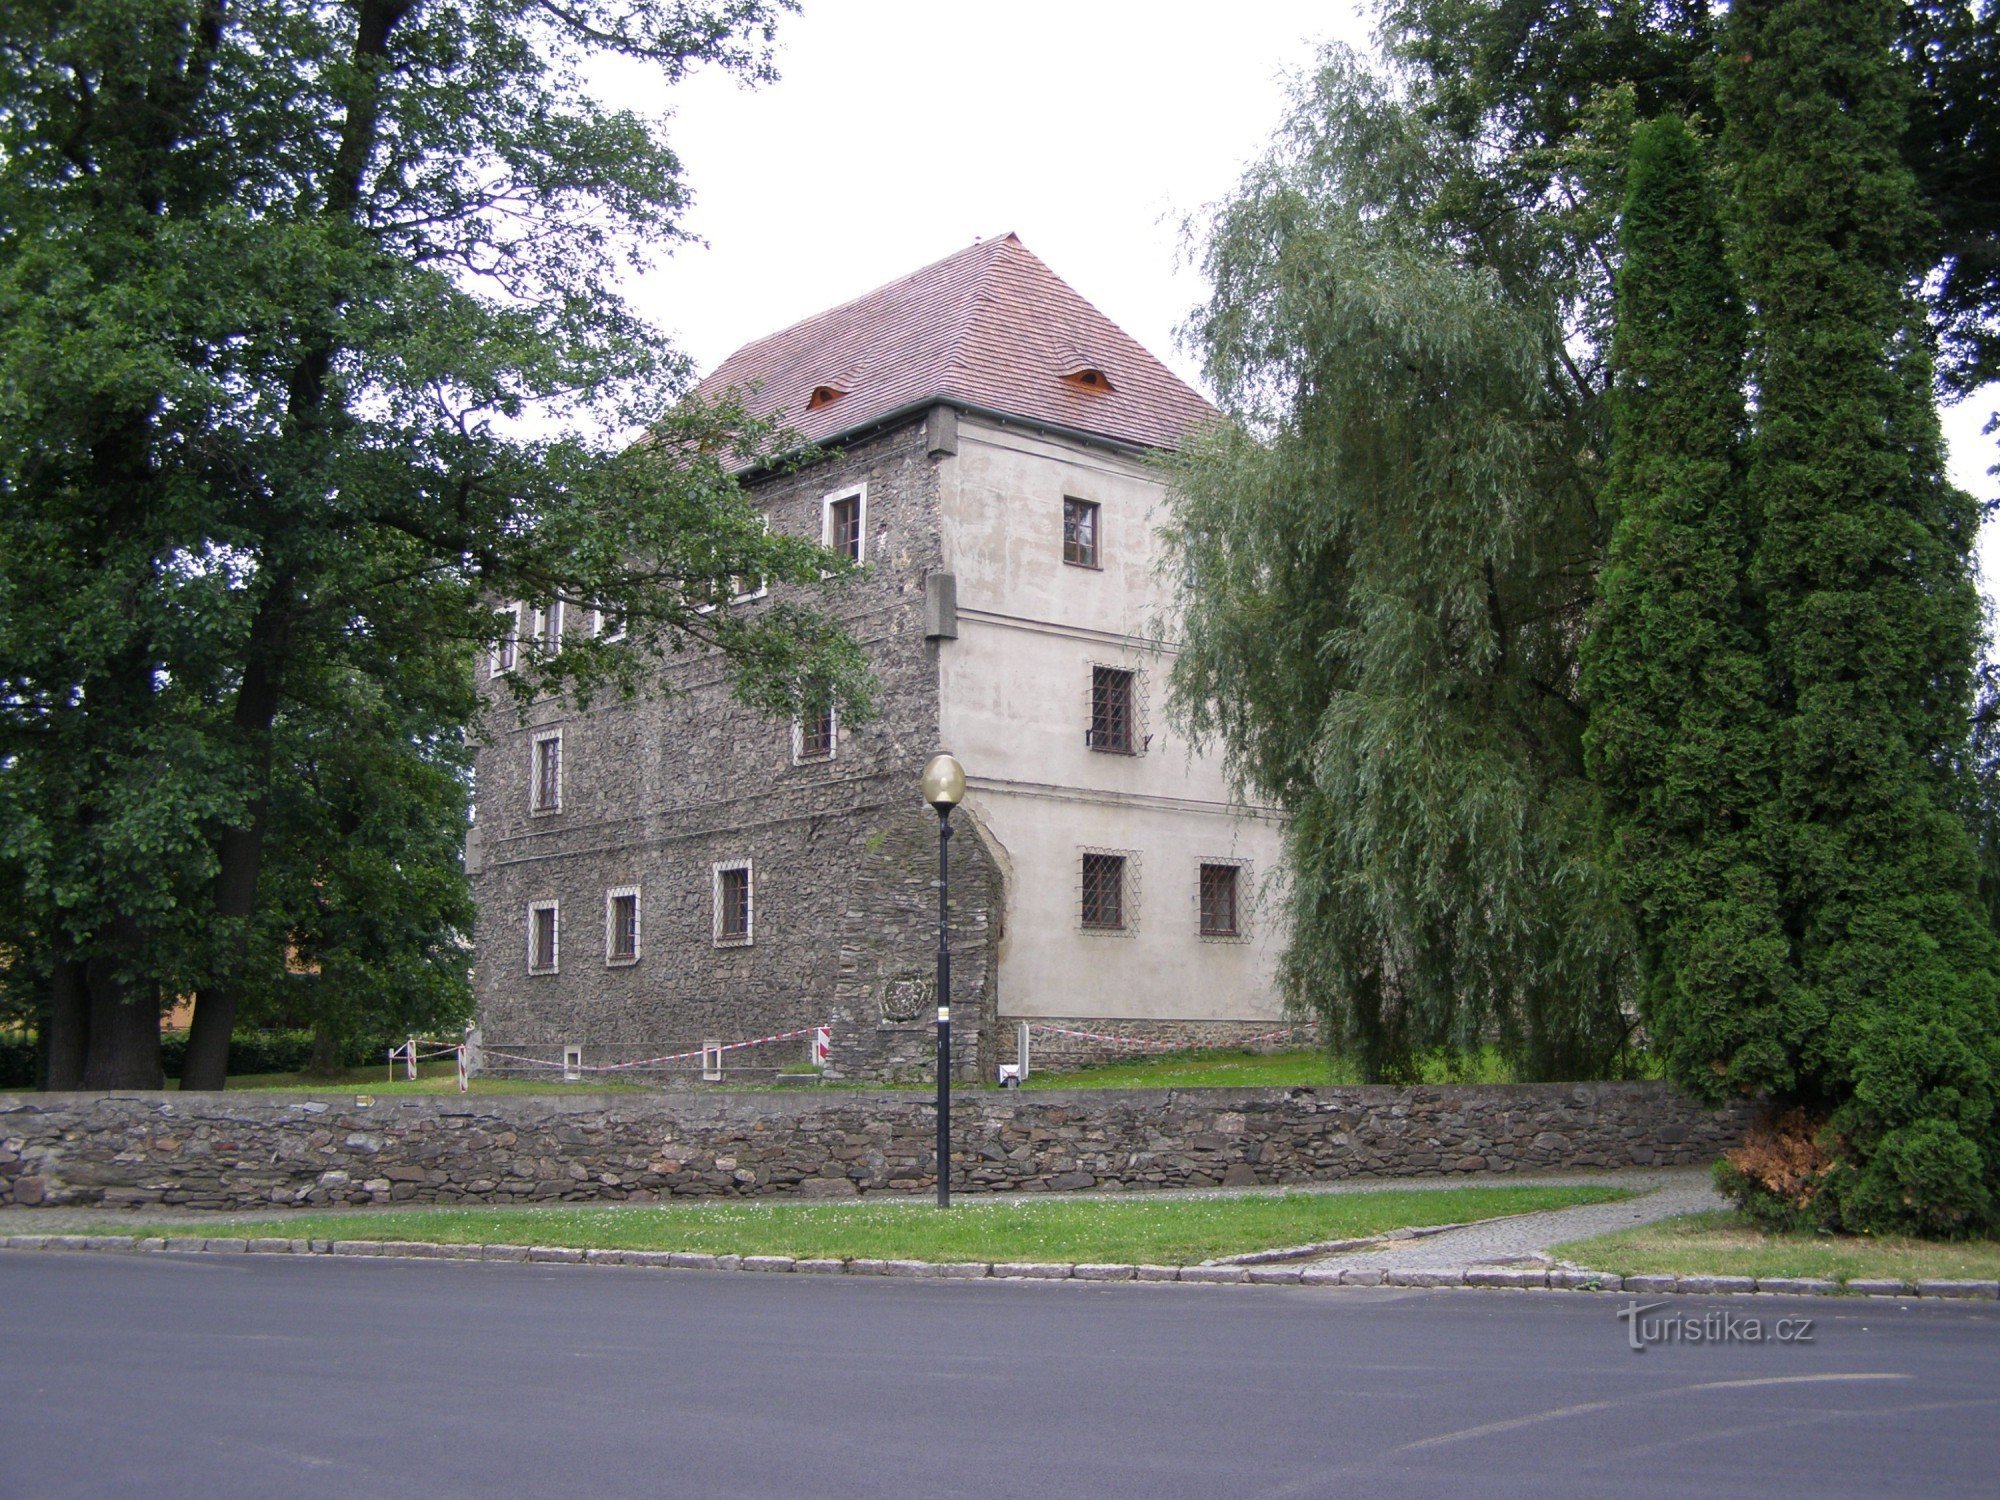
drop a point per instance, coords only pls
(507, 654)
(814, 736)
(546, 794)
(846, 525)
(1111, 710)
(734, 914)
(1219, 901)
(621, 925)
(1080, 533)
(542, 951)
(1104, 892)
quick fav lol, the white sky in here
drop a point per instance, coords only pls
(901, 130)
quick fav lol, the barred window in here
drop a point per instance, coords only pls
(733, 912)
(1080, 532)
(1218, 901)
(1110, 710)
(546, 795)
(1104, 891)
(621, 925)
(542, 937)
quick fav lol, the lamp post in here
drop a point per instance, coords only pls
(944, 789)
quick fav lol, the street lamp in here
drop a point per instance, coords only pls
(944, 789)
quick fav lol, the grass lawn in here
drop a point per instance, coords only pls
(1173, 1232)
(1724, 1244)
(1304, 1068)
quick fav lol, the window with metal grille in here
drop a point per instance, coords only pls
(621, 926)
(1104, 891)
(1218, 901)
(843, 526)
(547, 793)
(813, 736)
(1080, 532)
(542, 937)
(1110, 710)
(732, 903)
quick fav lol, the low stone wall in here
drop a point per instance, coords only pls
(242, 1151)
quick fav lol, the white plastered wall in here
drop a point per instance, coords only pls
(1014, 700)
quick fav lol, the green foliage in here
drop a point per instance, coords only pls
(302, 309)
(285, 1050)
(1872, 624)
(1388, 553)
(1681, 718)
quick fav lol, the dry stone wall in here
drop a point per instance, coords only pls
(243, 1152)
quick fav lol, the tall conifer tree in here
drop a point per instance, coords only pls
(1680, 725)
(1872, 620)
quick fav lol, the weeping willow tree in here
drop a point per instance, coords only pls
(1389, 548)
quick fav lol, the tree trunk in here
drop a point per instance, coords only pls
(124, 1029)
(69, 1025)
(325, 1059)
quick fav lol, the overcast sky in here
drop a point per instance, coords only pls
(902, 131)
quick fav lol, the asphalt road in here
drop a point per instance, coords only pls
(261, 1376)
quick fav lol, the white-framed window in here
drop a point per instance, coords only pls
(547, 626)
(1222, 899)
(607, 624)
(507, 654)
(743, 589)
(543, 949)
(815, 736)
(545, 772)
(1108, 891)
(844, 523)
(735, 904)
(621, 925)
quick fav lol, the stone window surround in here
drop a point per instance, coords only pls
(546, 627)
(1095, 514)
(1128, 896)
(612, 958)
(799, 756)
(606, 626)
(748, 936)
(538, 807)
(506, 653)
(741, 595)
(855, 492)
(1242, 868)
(554, 909)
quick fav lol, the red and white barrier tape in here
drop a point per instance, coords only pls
(1167, 1046)
(650, 1062)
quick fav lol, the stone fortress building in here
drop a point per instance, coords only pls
(657, 873)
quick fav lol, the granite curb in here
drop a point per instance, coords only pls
(1556, 1278)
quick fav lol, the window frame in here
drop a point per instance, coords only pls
(554, 909)
(537, 806)
(1239, 905)
(547, 631)
(748, 936)
(800, 756)
(602, 622)
(1128, 892)
(1094, 511)
(1132, 742)
(505, 656)
(613, 959)
(859, 495)
(741, 595)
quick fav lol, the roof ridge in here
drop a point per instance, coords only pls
(956, 362)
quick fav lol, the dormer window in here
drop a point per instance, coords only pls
(823, 395)
(1089, 378)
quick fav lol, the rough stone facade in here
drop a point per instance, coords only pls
(656, 792)
(241, 1152)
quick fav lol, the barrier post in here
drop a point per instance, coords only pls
(464, 1082)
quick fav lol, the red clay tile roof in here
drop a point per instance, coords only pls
(991, 327)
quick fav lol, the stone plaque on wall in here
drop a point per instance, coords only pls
(907, 1000)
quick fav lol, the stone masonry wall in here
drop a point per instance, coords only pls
(659, 790)
(243, 1152)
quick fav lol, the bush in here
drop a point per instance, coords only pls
(20, 1061)
(288, 1051)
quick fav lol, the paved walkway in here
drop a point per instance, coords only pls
(1527, 1238)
